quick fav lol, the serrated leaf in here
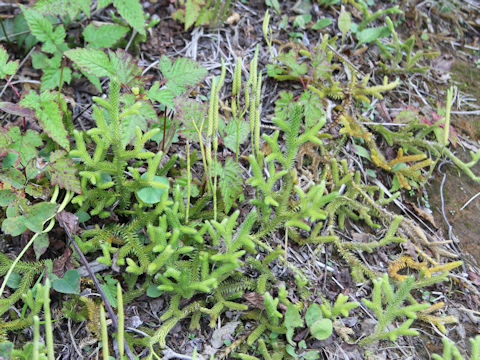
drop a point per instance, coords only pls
(344, 21)
(69, 284)
(104, 36)
(132, 12)
(52, 71)
(93, 62)
(290, 60)
(192, 10)
(110, 289)
(42, 29)
(163, 96)
(191, 114)
(49, 115)
(6, 67)
(62, 171)
(230, 182)
(182, 74)
(126, 68)
(230, 140)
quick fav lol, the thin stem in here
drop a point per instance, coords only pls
(36, 337)
(189, 183)
(48, 321)
(121, 322)
(4, 31)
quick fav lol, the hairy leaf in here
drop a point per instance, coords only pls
(93, 62)
(6, 67)
(104, 36)
(230, 182)
(49, 115)
(182, 74)
(131, 11)
(42, 29)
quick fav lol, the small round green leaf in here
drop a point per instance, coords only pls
(150, 194)
(69, 284)
(322, 329)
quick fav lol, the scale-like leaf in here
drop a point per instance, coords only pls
(131, 11)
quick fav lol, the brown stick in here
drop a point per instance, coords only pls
(100, 290)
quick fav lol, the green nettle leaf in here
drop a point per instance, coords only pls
(69, 284)
(49, 115)
(182, 74)
(110, 289)
(321, 329)
(104, 36)
(131, 11)
(192, 11)
(371, 34)
(230, 182)
(6, 67)
(38, 214)
(290, 60)
(52, 71)
(42, 29)
(230, 139)
(163, 96)
(191, 114)
(292, 321)
(62, 171)
(93, 62)
(152, 195)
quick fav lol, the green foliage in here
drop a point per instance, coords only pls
(451, 352)
(49, 114)
(6, 67)
(387, 305)
(400, 54)
(201, 12)
(104, 36)
(131, 11)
